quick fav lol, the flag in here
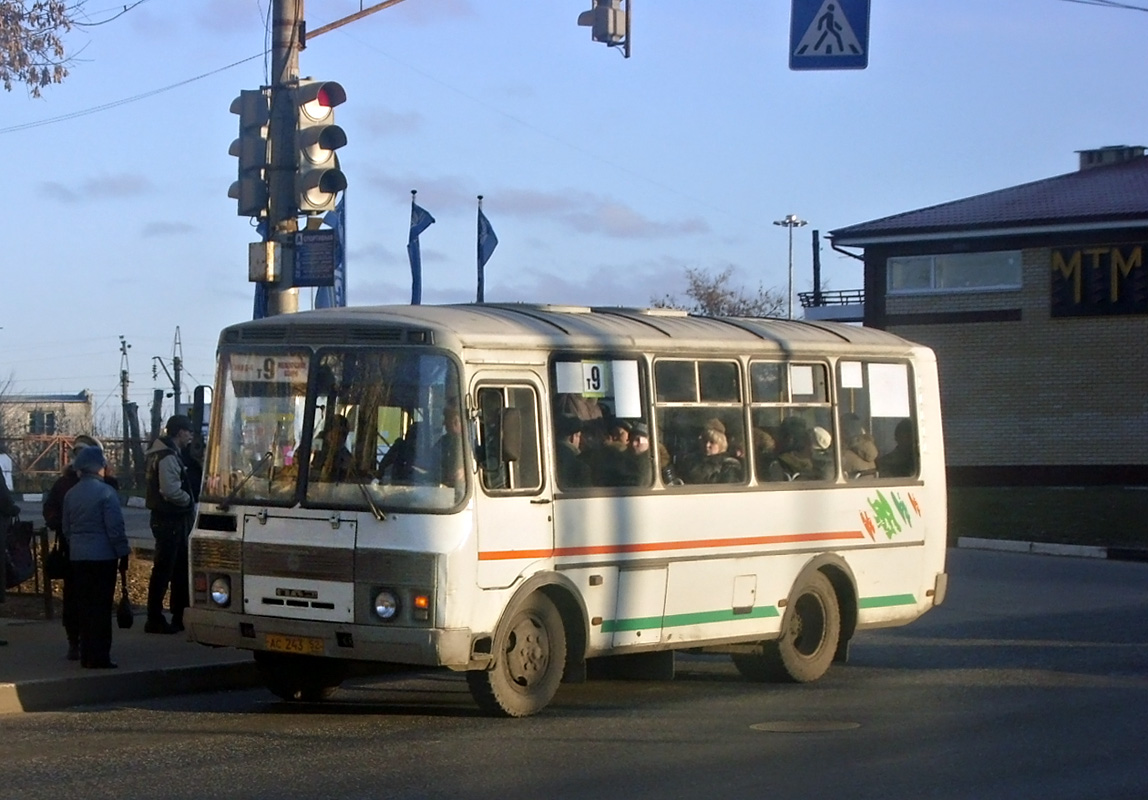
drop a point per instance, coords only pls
(420, 221)
(487, 241)
(336, 296)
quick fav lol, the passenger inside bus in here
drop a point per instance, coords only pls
(332, 463)
(572, 470)
(795, 450)
(901, 461)
(400, 458)
(448, 449)
(711, 463)
(859, 454)
(638, 449)
(608, 456)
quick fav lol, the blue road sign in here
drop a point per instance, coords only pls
(829, 34)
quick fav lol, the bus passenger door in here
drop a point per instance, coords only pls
(514, 524)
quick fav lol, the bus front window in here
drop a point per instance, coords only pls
(252, 455)
(386, 431)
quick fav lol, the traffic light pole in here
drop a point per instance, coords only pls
(282, 221)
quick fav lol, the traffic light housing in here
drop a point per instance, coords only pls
(250, 189)
(317, 137)
(608, 22)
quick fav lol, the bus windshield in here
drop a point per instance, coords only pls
(362, 429)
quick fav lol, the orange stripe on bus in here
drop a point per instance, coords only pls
(648, 547)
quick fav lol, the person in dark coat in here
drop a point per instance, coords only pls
(8, 510)
(172, 503)
(93, 525)
(572, 470)
(53, 517)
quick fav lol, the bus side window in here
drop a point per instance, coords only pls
(508, 427)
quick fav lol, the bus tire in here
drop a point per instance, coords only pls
(530, 655)
(299, 679)
(810, 631)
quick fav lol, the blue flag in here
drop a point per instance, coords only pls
(336, 296)
(420, 221)
(487, 241)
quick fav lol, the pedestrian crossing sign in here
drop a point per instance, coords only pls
(829, 34)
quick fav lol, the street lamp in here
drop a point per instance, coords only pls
(791, 221)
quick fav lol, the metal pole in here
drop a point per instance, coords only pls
(789, 295)
(282, 297)
(791, 221)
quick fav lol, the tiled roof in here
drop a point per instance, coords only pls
(1115, 193)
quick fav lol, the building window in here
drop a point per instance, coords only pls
(955, 272)
(42, 423)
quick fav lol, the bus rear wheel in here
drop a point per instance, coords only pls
(529, 658)
(303, 679)
(810, 631)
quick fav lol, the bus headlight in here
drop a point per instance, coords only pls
(386, 604)
(221, 591)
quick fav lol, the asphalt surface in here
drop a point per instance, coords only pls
(36, 676)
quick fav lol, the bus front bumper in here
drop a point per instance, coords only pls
(418, 646)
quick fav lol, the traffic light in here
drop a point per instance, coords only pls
(250, 190)
(317, 137)
(607, 22)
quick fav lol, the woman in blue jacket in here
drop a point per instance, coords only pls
(93, 524)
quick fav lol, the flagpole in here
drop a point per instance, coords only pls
(416, 262)
(480, 297)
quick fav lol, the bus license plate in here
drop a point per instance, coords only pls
(301, 645)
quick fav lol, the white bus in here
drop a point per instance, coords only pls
(515, 490)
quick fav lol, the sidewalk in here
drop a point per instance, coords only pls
(35, 676)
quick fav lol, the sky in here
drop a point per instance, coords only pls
(604, 178)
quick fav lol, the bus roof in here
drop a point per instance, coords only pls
(499, 326)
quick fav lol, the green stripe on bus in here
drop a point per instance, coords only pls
(886, 601)
(678, 620)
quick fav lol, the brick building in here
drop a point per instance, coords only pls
(1035, 298)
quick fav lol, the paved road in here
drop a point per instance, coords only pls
(1031, 681)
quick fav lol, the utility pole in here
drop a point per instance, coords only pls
(177, 368)
(282, 222)
(173, 375)
(125, 455)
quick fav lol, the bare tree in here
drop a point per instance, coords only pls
(31, 48)
(712, 296)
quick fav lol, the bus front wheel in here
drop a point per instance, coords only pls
(530, 656)
(810, 631)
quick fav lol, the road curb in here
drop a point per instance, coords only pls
(1047, 549)
(114, 686)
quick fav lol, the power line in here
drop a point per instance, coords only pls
(126, 100)
(1108, 4)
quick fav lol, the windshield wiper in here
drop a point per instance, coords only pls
(226, 504)
(378, 512)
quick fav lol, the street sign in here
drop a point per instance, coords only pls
(314, 258)
(829, 34)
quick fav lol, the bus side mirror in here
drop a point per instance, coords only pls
(511, 434)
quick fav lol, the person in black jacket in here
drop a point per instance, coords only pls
(53, 517)
(171, 499)
(8, 510)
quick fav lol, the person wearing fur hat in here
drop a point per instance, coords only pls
(93, 526)
(53, 510)
(170, 498)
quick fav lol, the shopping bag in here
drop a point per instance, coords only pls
(124, 615)
(56, 562)
(19, 565)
